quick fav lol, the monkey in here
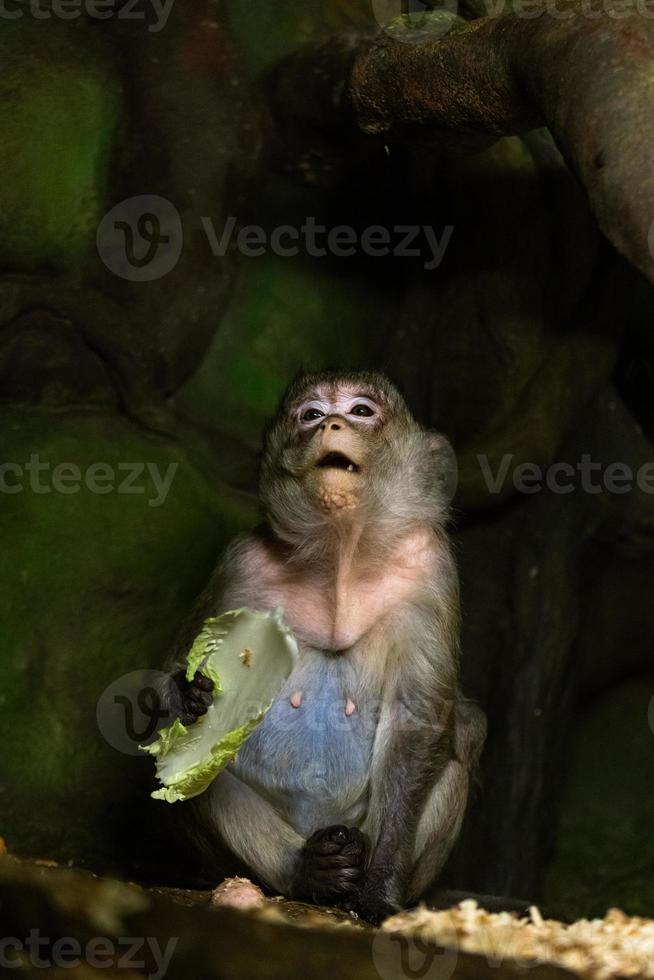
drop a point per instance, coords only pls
(353, 788)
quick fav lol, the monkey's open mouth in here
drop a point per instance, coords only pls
(337, 461)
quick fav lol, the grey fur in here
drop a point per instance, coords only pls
(400, 769)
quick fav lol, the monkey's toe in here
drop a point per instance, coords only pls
(331, 865)
(338, 839)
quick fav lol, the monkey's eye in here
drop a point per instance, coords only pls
(363, 411)
(312, 414)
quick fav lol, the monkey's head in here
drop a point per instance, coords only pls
(345, 447)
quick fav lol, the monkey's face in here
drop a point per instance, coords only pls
(335, 428)
(330, 440)
(346, 446)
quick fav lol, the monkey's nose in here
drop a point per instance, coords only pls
(334, 426)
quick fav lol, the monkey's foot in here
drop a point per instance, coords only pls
(331, 866)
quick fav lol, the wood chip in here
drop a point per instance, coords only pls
(600, 949)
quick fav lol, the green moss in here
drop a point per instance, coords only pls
(270, 32)
(604, 848)
(59, 104)
(99, 584)
(273, 32)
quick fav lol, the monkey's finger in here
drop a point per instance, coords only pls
(194, 712)
(357, 843)
(325, 848)
(196, 692)
(333, 831)
(341, 881)
(350, 875)
(325, 887)
(345, 840)
(329, 862)
(335, 863)
(204, 683)
(197, 699)
(338, 832)
(201, 697)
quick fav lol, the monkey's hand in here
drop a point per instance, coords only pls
(331, 866)
(191, 699)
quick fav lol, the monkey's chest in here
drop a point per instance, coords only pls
(333, 610)
(311, 755)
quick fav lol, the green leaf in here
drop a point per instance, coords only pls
(248, 655)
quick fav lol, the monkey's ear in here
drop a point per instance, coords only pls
(437, 442)
(444, 463)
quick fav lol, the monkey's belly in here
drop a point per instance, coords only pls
(312, 762)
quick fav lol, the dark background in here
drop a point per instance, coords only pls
(532, 338)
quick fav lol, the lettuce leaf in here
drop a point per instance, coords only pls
(248, 655)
